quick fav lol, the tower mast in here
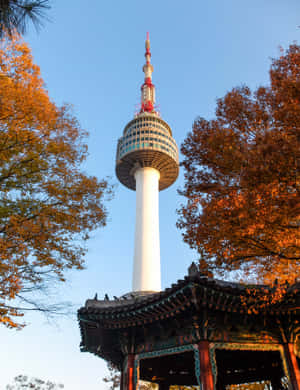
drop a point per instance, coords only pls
(147, 89)
(147, 162)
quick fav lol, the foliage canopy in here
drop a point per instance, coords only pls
(23, 382)
(15, 14)
(48, 205)
(242, 179)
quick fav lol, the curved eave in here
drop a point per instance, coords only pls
(191, 294)
(102, 322)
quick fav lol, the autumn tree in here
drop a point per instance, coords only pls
(23, 382)
(242, 179)
(113, 378)
(15, 15)
(48, 205)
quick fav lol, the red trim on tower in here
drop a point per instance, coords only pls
(147, 107)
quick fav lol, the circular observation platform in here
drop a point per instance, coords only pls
(147, 142)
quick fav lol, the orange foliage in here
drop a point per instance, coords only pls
(242, 179)
(47, 204)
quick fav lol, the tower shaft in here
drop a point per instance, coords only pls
(146, 271)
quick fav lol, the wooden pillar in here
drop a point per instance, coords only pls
(122, 380)
(130, 373)
(206, 374)
(293, 365)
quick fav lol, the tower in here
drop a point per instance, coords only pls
(147, 162)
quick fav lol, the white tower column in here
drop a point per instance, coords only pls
(146, 269)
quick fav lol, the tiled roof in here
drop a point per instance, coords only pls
(196, 290)
(102, 322)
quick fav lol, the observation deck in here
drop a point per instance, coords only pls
(147, 142)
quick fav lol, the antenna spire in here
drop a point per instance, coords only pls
(148, 89)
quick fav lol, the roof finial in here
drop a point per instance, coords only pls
(148, 89)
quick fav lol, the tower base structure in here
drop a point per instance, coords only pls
(200, 332)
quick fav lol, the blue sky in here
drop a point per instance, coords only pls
(91, 56)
